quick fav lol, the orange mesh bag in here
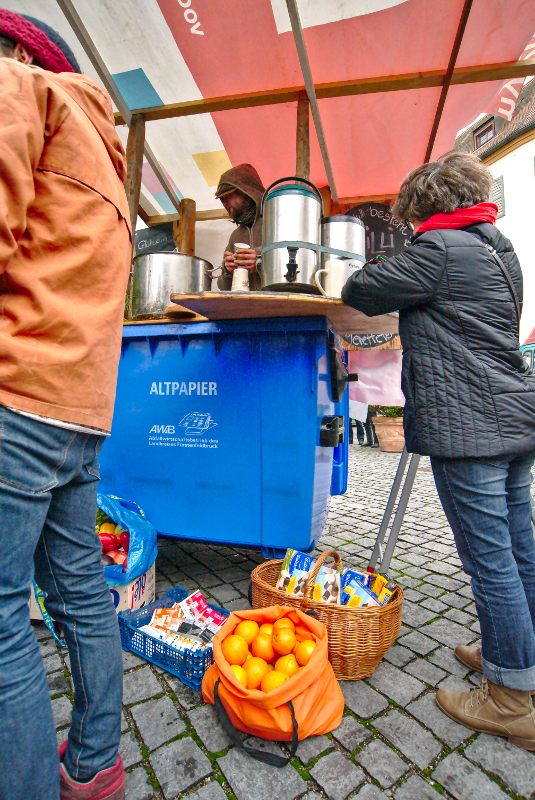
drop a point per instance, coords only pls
(308, 704)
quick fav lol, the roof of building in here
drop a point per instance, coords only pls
(523, 119)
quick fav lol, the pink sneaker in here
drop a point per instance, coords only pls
(106, 785)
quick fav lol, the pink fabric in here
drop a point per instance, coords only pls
(379, 380)
(374, 139)
(462, 217)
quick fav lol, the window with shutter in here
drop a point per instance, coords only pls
(497, 196)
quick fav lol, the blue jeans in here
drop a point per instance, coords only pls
(487, 503)
(48, 489)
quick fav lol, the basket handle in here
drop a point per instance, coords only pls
(307, 594)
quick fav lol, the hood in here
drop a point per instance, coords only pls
(96, 104)
(245, 178)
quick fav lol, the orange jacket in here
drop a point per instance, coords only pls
(65, 245)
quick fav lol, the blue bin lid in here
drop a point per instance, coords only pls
(292, 188)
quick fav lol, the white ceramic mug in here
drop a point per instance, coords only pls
(336, 274)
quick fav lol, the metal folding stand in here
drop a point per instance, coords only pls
(386, 556)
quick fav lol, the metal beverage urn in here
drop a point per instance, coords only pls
(292, 213)
(341, 233)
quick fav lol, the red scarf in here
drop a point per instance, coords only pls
(462, 217)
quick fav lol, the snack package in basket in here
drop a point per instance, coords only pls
(351, 577)
(294, 572)
(359, 596)
(327, 585)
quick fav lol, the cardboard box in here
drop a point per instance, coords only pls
(131, 596)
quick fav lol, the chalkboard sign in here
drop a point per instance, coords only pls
(385, 235)
(368, 339)
(158, 239)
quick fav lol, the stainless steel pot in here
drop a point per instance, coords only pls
(292, 212)
(157, 275)
(342, 233)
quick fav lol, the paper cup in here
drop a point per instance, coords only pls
(240, 280)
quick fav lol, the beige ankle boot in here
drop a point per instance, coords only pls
(492, 709)
(469, 656)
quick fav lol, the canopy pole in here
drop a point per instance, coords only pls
(134, 165)
(90, 49)
(447, 77)
(302, 148)
(132, 183)
(184, 227)
(311, 92)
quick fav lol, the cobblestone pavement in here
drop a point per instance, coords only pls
(393, 741)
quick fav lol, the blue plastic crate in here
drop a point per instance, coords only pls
(188, 666)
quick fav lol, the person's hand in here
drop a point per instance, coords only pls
(246, 258)
(230, 261)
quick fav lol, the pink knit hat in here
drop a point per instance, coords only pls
(47, 54)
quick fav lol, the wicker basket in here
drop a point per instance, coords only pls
(358, 637)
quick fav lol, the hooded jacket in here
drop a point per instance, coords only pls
(247, 180)
(65, 245)
(467, 394)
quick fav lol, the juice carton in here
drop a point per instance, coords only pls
(294, 572)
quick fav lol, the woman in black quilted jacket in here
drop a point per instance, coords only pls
(470, 406)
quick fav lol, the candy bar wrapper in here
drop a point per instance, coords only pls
(156, 633)
(194, 606)
(213, 620)
(377, 583)
(351, 578)
(327, 585)
(360, 596)
(182, 643)
(294, 572)
(169, 618)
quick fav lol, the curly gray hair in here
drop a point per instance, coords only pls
(456, 180)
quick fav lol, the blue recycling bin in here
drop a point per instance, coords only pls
(216, 430)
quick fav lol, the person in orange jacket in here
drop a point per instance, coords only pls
(65, 248)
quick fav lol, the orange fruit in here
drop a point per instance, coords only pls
(255, 668)
(272, 680)
(247, 628)
(304, 651)
(287, 664)
(240, 674)
(283, 623)
(284, 641)
(262, 647)
(235, 649)
(267, 627)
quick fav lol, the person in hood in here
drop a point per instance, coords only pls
(240, 190)
(65, 249)
(470, 406)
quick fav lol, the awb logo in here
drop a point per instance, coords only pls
(162, 429)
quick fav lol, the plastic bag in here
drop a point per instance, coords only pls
(143, 548)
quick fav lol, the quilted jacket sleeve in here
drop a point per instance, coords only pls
(409, 279)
